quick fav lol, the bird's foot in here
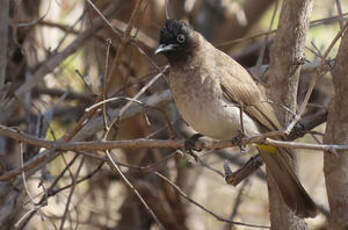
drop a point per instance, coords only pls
(190, 145)
(298, 131)
(238, 141)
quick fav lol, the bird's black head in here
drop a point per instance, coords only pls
(175, 40)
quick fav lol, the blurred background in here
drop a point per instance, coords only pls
(60, 58)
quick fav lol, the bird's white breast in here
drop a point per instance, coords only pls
(200, 102)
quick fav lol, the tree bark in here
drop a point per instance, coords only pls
(336, 165)
(4, 18)
(286, 54)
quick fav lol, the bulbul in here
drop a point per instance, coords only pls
(209, 87)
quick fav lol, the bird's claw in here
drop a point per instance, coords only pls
(299, 130)
(238, 141)
(190, 145)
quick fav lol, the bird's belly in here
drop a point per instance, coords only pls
(214, 118)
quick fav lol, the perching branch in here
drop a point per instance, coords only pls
(151, 143)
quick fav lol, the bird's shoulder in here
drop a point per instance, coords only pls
(236, 79)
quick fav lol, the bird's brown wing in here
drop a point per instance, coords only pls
(238, 87)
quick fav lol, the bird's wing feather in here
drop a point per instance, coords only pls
(238, 87)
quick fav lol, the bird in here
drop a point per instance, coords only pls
(209, 88)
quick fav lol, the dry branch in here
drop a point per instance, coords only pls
(148, 143)
(53, 62)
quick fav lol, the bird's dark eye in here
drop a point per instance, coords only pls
(180, 38)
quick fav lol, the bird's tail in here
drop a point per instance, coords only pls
(293, 193)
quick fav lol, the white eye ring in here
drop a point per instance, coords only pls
(180, 38)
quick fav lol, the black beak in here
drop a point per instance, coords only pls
(164, 48)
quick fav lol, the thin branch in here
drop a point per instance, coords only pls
(115, 166)
(296, 145)
(88, 129)
(314, 23)
(26, 188)
(263, 48)
(55, 92)
(63, 39)
(219, 218)
(207, 166)
(339, 10)
(89, 176)
(124, 40)
(37, 206)
(237, 203)
(143, 169)
(73, 187)
(28, 214)
(141, 92)
(105, 79)
(111, 99)
(56, 59)
(101, 15)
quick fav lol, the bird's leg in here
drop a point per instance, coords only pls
(241, 132)
(299, 130)
(190, 145)
(238, 141)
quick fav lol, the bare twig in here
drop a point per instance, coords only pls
(119, 171)
(87, 130)
(60, 43)
(219, 218)
(73, 187)
(237, 203)
(47, 193)
(54, 92)
(56, 59)
(141, 92)
(54, 190)
(252, 37)
(340, 16)
(139, 168)
(23, 176)
(263, 48)
(207, 166)
(124, 41)
(111, 99)
(103, 17)
(28, 214)
(105, 79)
